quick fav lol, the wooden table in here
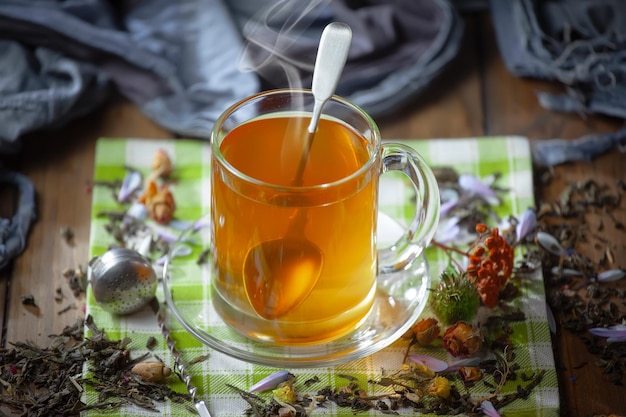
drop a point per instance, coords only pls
(476, 96)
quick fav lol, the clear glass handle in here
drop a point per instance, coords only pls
(422, 228)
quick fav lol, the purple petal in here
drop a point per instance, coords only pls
(616, 339)
(526, 225)
(167, 236)
(549, 243)
(614, 334)
(180, 225)
(611, 275)
(565, 272)
(137, 211)
(551, 320)
(448, 230)
(474, 185)
(455, 366)
(131, 182)
(270, 381)
(489, 409)
(446, 207)
(431, 363)
(202, 223)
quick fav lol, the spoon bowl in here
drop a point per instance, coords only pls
(280, 274)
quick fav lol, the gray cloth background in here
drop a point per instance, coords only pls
(183, 62)
(580, 44)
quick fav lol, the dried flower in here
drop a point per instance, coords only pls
(448, 230)
(490, 266)
(461, 339)
(285, 393)
(550, 243)
(271, 381)
(489, 409)
(161, 163)
(477, 187)
(613, 334)
(131, 183)
(159, 202)
(526, 224)
(611, 275)
(425, 331)
(455, 298)
(470, 373)
(433, 364)
(551, 319)
(455, 366)
(440, 387)
(151, 371)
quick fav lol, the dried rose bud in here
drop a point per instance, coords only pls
(440, 387)
(151, 371)
(470, 373)
(159, 202)
(461, 339)
(161, 163)
(426, 331)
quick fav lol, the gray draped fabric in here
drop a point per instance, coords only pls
(183, 62)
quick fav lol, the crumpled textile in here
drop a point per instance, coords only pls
(14, 231)
(398, 46)
(558, 151)
(177, 60)
(582, 45)
(181, 61)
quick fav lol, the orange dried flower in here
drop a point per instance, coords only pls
(470, 373)
(490, 266)
(159, 202)
(161, 163)
(440, 387)
(461, 339)
(425, 331)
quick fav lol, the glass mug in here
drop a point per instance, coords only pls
(293, 225)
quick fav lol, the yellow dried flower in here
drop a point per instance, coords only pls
(420, 368)
(285, 393)
(440, 387)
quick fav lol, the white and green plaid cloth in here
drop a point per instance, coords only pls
(484, 156)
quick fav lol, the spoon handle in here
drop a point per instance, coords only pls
(159, 310)
(332, 54)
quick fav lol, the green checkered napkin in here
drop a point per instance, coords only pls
(509, 156)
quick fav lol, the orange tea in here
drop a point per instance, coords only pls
(294, 264)
(293, 227)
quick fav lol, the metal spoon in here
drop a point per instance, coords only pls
(123, 281)
(279, 274)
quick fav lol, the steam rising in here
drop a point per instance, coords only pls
(277, 47)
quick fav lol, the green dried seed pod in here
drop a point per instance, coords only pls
(455, 298)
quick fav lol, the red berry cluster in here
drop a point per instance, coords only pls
(490, 264)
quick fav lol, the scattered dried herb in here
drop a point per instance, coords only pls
(28, 300)
(582, 280)
(67, 234)
(49, 381)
